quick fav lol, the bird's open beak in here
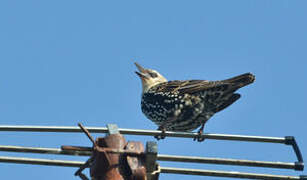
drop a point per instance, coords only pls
(143, 73)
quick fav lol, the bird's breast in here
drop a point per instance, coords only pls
(159, 107)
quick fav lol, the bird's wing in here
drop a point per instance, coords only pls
(191, 86)
(194, 86)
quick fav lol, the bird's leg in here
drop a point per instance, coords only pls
(163, 126)
(199, 137)
(162, 135)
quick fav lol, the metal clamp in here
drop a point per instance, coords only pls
(151, 160)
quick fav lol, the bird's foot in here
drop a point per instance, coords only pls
(162, 135)
(199, 137)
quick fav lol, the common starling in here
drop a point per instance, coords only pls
(186, 105)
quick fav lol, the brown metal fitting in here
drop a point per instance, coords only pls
(105, 166)
(136, 163)
(113, 158)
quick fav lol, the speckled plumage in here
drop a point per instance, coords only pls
(186, 105)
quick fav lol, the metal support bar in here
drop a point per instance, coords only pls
(43, 150)
(172, 170)
(160, 157)
(73, 129)
(222, 161)
(47, 162)
(231, 174)
(87, 151)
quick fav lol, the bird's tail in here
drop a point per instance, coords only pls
(241, 80)
(228, 96)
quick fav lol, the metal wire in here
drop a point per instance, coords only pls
(74, 129)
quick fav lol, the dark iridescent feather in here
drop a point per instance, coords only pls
(194, 86)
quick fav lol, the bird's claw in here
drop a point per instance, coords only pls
(158, 137)
(199, 137)
(162, 135)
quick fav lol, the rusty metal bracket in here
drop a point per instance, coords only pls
(115, 159)
(103, 156)
(136, 164)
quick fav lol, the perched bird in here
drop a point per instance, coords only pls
(186, 105)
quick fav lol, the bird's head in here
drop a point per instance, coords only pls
(149, 77)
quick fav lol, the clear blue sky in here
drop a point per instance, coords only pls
(64, 62)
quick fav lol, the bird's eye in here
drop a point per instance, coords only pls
(153, 74)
